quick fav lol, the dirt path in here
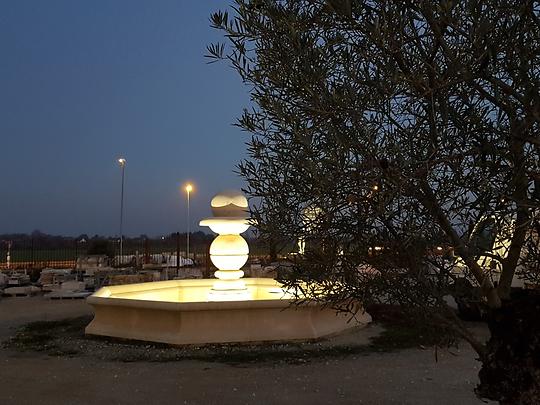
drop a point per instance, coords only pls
(18, 311)
(405, 377)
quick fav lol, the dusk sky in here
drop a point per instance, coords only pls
(85, 82)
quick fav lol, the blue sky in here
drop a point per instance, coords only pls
(84, 82)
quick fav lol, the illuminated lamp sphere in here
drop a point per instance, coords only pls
(229, 252)
(229, 244)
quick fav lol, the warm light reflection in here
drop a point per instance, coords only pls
(229, 198)
(228, 263)
(224, 226)
(191, 291)
(229, 274)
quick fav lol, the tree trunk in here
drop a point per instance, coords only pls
(510, 371)
(519, 196)
(488, 289)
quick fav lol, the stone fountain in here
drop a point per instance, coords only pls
(226, 309)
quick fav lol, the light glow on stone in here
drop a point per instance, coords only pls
(222, 200)
(229, 275)
(229, 263)
(230, 244)
(225, 226)
(229, 251)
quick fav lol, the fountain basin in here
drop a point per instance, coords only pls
(178, 312)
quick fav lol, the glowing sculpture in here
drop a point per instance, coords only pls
(229, 309)
(229, 251)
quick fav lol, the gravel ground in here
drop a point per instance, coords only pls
(341, 370)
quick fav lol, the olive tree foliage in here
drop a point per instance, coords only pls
(403, 125)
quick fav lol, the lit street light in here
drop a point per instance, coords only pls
(122, 163)
(189, 189)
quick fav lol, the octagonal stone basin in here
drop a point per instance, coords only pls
(178, 312)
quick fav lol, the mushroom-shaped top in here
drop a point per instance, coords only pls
(229, 203)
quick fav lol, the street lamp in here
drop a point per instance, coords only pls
(122, 163)
(189, 189)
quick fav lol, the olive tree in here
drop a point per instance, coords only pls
(400, 142)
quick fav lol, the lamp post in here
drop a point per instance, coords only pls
(189, 189)
(8, 255)
(122, 163)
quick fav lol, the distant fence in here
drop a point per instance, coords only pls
(38, 253)
(32, 254)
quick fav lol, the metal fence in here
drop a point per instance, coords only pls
(35, 254)
(38, 253)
